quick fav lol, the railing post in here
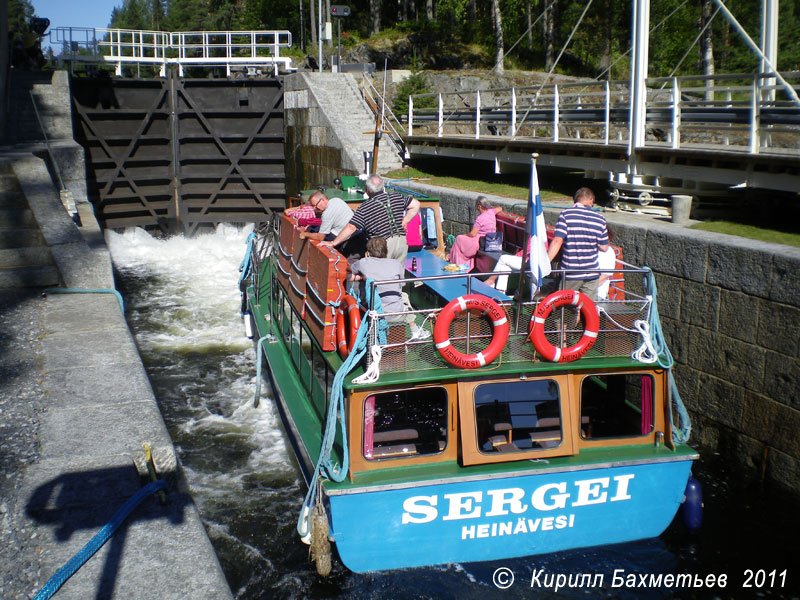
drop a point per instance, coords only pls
(410, 115)
(728, 99)
(676, 114)
(513, 112)
(477, 114)
(440, 127)
(755, 117)
(556, 116)
(608, 114)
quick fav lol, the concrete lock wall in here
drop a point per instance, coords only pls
(730, 311)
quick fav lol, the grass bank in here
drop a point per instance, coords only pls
(751, 232)
(508, 187)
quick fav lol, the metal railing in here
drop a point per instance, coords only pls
(391, 124)
(618, 335)
(183, 48)
(742, 112)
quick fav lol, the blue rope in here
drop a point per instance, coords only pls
(336, 414)
(87, 291)
(665, 360)
(100, 538)
(246, 267)
(406, 190)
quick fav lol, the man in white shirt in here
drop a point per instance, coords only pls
(334, 213)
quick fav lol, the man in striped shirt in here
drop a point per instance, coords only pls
(383, 215)
(580, 234)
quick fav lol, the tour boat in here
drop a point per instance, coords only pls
(523, 425)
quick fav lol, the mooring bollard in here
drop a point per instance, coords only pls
(681, 208)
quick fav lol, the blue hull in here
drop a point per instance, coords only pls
(505, 517)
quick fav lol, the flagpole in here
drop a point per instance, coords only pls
(526, 259)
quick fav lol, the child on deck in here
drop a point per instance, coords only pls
(377, 267)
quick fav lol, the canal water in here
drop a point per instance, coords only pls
(182, 303)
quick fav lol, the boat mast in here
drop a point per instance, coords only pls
(379, 125)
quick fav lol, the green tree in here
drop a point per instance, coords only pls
(20, 13)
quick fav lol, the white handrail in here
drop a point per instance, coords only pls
(599, 112)
(183, 48)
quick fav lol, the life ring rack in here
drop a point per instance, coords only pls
(346, 336)
(487, 307)
(591, 322)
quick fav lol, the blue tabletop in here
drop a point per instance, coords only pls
(429, 265)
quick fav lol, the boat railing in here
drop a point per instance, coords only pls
(618, 336)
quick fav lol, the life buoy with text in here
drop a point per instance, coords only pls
(591, 322)
(488, 308)
(346, 335)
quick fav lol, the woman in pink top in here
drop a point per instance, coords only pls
(414, 234)
(466, 245)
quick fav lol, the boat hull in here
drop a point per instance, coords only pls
(505, 517)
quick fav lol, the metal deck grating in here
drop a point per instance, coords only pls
(617, 336)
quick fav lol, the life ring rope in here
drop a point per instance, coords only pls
(486, 307)
(346, 336)
(591, 321)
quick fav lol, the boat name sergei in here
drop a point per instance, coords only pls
(501, 502)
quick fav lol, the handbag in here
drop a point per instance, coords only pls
(492, 242)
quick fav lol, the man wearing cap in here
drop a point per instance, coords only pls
(383, 214)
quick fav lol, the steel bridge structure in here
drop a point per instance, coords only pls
(698, 135)
(746, 135)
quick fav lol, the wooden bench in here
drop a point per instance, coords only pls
(395, 442)
(514, 238)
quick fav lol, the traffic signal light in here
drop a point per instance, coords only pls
(340, 10)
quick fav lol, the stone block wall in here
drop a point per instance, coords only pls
(730, 311)
(328, 130)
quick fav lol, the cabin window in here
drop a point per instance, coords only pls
(616, 405)
(405, 423)
(518, 416)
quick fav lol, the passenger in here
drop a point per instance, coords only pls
(375, 265)
(466, 245)
(304, 211)
(507, 263)
(334, 213)
(606, 259)
(580, 235)
(383, 214)
(414, 234)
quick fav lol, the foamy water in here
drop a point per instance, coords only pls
(183, 302)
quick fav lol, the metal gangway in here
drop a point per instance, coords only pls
(252, 50)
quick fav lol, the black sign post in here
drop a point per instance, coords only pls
(339, 10)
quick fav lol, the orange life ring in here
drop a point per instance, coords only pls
(341, 337)
(441, 331)
(590, 318)
(352, 313)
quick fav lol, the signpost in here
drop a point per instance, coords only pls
(339, 10)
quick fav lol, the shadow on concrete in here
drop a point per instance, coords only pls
(87, 500)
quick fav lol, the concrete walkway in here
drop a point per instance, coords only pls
(76, 407)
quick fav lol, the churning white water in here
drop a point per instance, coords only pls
(183, 305)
